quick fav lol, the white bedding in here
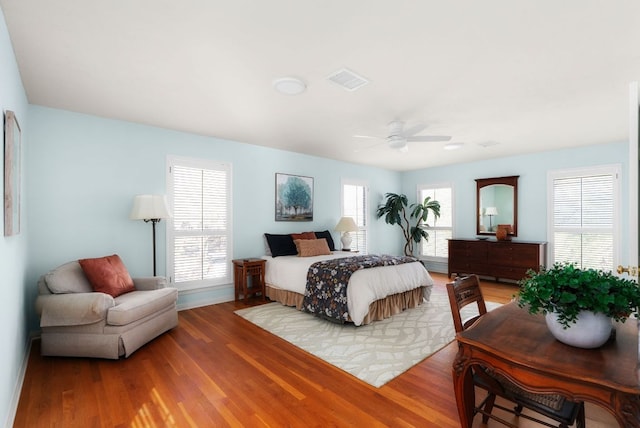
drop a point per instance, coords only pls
(365, 286)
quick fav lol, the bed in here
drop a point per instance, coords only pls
(373, 294)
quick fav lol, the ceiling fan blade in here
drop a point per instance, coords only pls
(367, 136)
(414, 129)
(430, 138)
(364, 149)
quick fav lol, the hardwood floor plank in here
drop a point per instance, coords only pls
(266, 372)
(218, 370)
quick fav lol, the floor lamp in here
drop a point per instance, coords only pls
(150, 208)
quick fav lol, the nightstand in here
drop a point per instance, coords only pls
(243, 269)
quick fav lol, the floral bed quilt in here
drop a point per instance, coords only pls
(327, 282)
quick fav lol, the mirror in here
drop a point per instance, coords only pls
(496, 203)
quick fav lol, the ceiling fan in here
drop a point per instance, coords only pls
(399, 136)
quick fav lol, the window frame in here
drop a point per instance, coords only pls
(614, 170)
(419, 198)
(362, 229)
(171, 234)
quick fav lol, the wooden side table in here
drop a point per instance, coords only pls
(243, 269)
(513, 343)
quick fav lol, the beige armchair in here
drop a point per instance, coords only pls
(78, 322)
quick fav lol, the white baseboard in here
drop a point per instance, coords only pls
(15, 400)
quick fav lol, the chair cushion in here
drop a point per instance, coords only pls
(68, 278)
(107, 275)
(136, 305)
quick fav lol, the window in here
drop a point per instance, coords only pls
(354, 204)
(441, 229)
(199, 234)
(584, 214)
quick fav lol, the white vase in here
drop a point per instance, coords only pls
(591, 330)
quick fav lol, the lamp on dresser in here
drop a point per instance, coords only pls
(150, 208)
(490, 212)
(346, 225)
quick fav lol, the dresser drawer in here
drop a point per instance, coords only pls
(468, 251)
(522, 255)
(498, 259)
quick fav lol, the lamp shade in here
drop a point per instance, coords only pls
(346, 224)
(147, 207)
(491, 211)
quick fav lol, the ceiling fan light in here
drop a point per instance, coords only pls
(396, 142)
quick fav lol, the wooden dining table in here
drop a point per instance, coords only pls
(519, 346)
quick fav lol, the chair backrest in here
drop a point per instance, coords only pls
(462, 292)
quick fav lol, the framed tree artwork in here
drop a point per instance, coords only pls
(11, 174)
(294, 197)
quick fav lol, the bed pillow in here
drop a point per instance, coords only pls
(303, 235)
(107, 275)
(267, 250)
(281, 245)
(326, 235)
(312, 247)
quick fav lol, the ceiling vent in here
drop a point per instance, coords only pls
(347, 79)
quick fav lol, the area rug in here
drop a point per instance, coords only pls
(374, 353)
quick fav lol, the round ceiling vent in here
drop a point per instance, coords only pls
(289, 86)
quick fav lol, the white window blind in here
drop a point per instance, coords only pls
(584, 216)
(354, 204)
(200, 230)
(441, 229)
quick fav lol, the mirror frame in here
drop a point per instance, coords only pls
(509, 181)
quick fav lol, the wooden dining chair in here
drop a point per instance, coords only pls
(466, 290)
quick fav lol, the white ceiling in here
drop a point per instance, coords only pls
(529, 75)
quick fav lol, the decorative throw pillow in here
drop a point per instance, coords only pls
(312, 247)
(107, 275)
(303, 235)
(326, 235)
(68, 278)
(281, 245)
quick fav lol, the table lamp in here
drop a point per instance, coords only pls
(346, 225)
(491, 211)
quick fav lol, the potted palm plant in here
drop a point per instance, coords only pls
(413, 223)
(579, 304)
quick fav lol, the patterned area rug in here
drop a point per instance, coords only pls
(374, 353)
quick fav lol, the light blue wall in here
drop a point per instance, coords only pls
(86, 170)
(15, 305)
(80, 174)
(532, 185)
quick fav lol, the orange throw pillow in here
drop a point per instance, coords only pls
(312, 247)
(107, 275)
(303, 235)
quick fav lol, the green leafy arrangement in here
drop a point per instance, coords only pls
(566, 290)
(394, 211)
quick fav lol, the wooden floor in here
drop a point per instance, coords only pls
(217, 369)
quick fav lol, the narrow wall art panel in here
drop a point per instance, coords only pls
(11, 174)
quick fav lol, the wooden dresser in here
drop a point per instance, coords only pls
(497, 259)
